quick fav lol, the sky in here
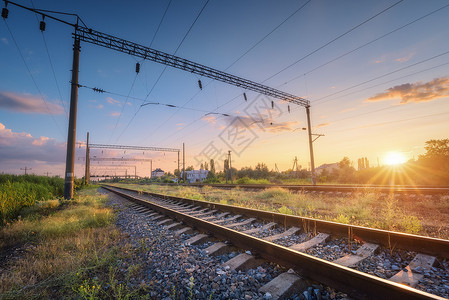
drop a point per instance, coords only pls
(376, 74)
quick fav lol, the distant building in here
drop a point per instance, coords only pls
(328, 167)
(195, 175)
(157, 173)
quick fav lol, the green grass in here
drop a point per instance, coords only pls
(72, 251)
(364, 209)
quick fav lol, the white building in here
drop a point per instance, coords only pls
(328, 167)
(157, 173)
(195, 175)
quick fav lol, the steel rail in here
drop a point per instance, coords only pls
(425, 190)
(388, 239)
(354, 283)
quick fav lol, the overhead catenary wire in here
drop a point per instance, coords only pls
(138, 69)
(165, 68)
(52, 69)
(366, 44)
(268, 34)
(333, 40)
(240, 57)
(33, 79)
(151, 103)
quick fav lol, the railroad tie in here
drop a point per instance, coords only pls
(185, 230)
(156, 218)
(365, 251)
(289, 232)
(284, 286)
(219, 248)
(174, 226)
(318, 239)
(257, 229)
(165, 222)
(410, 275)
(203, 214)
(246, 222)
(242, 262)
(216, 217)
(227, 220)
(197, 239)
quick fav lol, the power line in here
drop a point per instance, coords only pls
(52, 68)
(134, 81)
(160, 23)
(381, 76)
(333, 40)
(165, 68)
(245, 53)
(268, 34)
(366, 44)
(151, 103)
(32, 78)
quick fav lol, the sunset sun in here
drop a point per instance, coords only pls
(394, 158)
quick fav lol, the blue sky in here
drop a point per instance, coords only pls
(380, 87)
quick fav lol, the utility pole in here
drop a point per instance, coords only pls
(151, 169)
(87, 174)
(183, 163)
(230, 166)
(312, 160)
(48, 173)
(71, 136)
(25, 169)
(179, 174)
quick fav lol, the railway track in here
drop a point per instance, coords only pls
(298, 243)
(400, 190)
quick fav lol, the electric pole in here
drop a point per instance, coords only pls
(26, 169)
(71, 136)
(87, 174)
(230, 166)
(183, 163)
(312, 160)
(179, 172)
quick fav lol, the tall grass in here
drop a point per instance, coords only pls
(17, 192)
(68, 243)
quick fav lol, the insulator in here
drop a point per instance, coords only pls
(244, 96)
(137, 68)
(272, 104)
(42, 26)
(200, 84)
(5, 13)
(288, 108)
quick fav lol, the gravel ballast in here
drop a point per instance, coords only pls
(172, 270)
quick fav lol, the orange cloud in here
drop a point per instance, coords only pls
(322, 125)
(405, 58)
(26, 103)
(416, 92)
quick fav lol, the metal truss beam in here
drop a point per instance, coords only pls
(125, 147)
(120, 159)
(108, 41)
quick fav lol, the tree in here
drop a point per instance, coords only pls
(212, 166)
(436, 160)
(345, 171)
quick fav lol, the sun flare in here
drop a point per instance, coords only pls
(395, 158)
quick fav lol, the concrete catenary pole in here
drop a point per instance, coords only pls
(71, 136)
(312, 160)
(87, 173)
